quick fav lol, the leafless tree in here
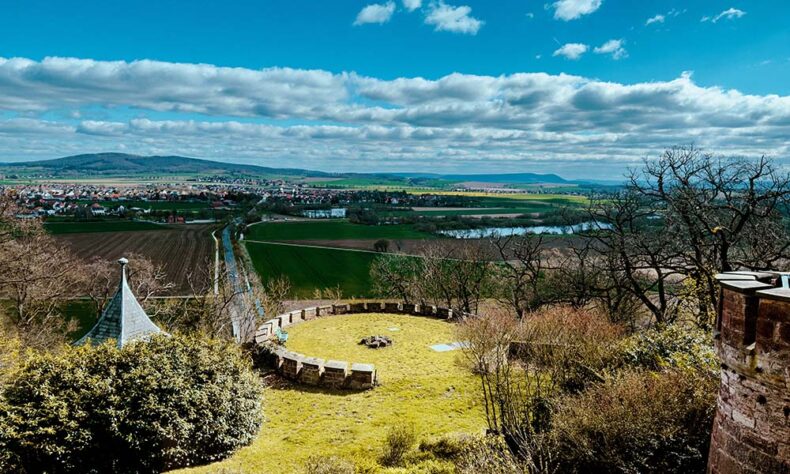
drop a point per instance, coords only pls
(518, 275)
(724, 213)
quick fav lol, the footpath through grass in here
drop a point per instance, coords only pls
(309, 268)
(430, 390)
(330, 230)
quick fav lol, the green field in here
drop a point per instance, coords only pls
(428, 390)
(100, 226)
(309, 268)
(330, 230)
(439, 212)
(496, 199)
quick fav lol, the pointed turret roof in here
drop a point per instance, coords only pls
(123, 319)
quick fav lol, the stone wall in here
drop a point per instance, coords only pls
(751, 432)
(333, 374)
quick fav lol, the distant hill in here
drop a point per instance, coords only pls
(501, 178)
(126, 165)
(121, 164)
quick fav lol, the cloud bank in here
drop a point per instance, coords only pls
(345, 121)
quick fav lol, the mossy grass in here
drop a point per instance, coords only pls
(431, 391)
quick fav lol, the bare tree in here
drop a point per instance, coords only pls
(724, 213)
(100, 279)
(518, 275)
(398, 276)
(639, 251)
(457, 276)
(36, 276)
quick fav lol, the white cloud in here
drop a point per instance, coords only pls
(571, 50)
(655, 19)
(460, 122)
(613, 47)
(728, 14)
(375, 13)
(412, 5)
(450, 18)
(572, 9)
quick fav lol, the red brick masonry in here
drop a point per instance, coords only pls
(751, 432)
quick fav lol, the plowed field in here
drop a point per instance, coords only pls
(180, 250)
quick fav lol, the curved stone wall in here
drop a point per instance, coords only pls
(333, 373)
(751, 431)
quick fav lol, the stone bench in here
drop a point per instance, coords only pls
(363, 376)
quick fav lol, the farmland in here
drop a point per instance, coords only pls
(330, 230)
(309, 268)
(180, 250)
(115, 225)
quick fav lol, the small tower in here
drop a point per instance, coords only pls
(123, 319)
(751, 432)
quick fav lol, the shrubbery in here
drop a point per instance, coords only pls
(173, 401)
(641, 421)
(575, 394)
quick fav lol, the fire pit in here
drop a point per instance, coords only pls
(375, 342)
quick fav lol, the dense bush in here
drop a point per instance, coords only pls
(675, 345)
(641, 421)
(170, 402)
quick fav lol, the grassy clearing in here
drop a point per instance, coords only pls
(100, 226)
(428, 389)
(330, 230)
(309, 268)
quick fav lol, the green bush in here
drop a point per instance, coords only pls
(400, 440)
(673, 346)
(640, 421)
(170, 402)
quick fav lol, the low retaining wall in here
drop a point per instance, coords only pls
(333, 373)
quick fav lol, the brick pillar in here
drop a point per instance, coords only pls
(751, 431)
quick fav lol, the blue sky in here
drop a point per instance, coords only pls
(577, 87)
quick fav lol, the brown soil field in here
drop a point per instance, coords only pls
(180, 250)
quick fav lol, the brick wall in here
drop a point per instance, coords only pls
(751, 432)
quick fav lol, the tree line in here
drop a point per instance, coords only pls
(651, 253)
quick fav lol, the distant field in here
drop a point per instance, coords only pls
(538, 207)
(330, 230)
(309, 268)
(553, 198)
(73, 227)
(180, 250)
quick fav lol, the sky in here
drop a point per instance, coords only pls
(581, 88)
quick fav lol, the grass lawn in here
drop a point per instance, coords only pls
(330, 230)
(308, 268)
(430, 390)
(99, 226)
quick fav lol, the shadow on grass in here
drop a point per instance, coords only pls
(274, 381)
